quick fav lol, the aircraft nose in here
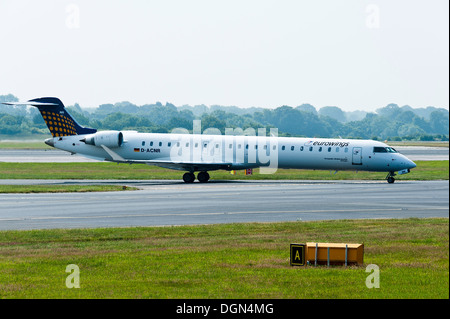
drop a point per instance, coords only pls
(411, 164)
(404, 162)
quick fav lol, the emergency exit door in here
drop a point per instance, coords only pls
(357, 156)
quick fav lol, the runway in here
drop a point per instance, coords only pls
(41, 156)
(164, 203)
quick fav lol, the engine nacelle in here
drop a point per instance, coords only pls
(109, 139)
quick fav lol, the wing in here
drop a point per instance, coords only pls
(167, 163)
(191, 166)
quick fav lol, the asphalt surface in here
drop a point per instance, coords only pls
(41, 156)
(160, 203)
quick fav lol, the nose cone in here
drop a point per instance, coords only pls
(401, 162)
(411, 164)
(50, 142)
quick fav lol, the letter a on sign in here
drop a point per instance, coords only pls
(298, 254)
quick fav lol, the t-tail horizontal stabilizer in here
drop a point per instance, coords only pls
(58, 120)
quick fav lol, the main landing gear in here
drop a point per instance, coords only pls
(189, 177)
(390, 177)
(202, 177)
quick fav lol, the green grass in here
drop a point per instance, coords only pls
(19, 189)
(225, 261)
(420, 143)
(425, 170)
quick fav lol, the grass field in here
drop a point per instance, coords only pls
(425, 170)
(20, 189)
(420, 143)
(226, 261)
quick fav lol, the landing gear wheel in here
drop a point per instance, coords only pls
(188, 177)
(390, 177)
(203, 177)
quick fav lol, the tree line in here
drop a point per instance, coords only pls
(391, 122)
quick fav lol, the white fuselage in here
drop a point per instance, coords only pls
(240, 152)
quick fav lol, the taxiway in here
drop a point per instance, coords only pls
(163, 203)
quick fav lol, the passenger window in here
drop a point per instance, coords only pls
(301, 148)
(265, 147)
(230, 146)
(169, 144)
(160, 143)
(346, 150)
(217, 145)
(143, 143)
(196, 145)
(320, 149)
(246, 146)
(337, 149)
(274, 147)
(329, 149)
(310, 148)
(187, 144)
(151, 143)
(283, 148)
(178, 144)
(239, 146)
(292, 148)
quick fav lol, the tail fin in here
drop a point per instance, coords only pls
(58, 120)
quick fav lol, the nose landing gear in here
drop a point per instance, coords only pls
(390, 177)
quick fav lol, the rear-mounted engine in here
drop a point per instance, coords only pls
(109, 139)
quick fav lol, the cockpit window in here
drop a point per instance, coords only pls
(379, 150)
(384, 150)
(391, 150)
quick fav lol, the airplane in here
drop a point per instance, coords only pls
(201, 153)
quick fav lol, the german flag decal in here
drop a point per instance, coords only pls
(137, 150)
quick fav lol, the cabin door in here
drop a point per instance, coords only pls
(357, 156)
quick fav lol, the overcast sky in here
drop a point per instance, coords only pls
(354, 54)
